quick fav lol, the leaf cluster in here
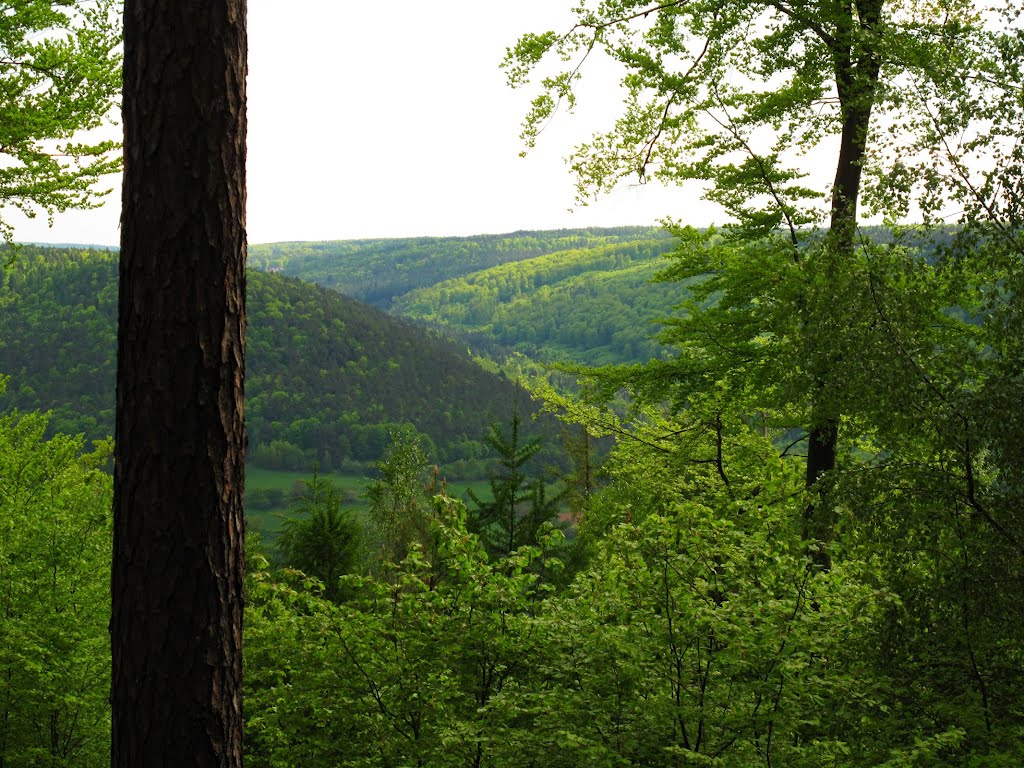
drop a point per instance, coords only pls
(55, 527)
(60, 74)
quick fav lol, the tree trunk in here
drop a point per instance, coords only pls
(176, 630)
(857, 69)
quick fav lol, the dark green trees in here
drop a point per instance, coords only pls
(519, 504)
(873, 363)
(324, 540)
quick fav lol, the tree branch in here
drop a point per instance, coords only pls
(624, 19)
(730, 127)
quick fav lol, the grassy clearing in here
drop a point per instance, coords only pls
(262, 479)
(268, 521)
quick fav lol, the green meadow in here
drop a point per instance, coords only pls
(281, 486)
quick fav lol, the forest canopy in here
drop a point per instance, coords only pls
(328, 377)
(805, 546)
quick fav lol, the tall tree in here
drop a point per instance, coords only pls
(734, 96)
(886, 357)
(399, 499)
(180, 440)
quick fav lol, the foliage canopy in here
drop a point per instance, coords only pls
(60, 75)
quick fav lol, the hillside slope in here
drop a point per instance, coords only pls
(327, 377)
(572, 296)
(580, 296)
(377, 271)
(595, 305)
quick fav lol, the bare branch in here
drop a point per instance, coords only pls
(625, 19)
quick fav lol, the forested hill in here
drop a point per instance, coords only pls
(378, 270)
(327, 378)
(568, 295)
(579, 296)
(596, 305)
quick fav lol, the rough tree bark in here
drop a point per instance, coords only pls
(176, 629)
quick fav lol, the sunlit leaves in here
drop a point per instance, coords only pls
(60, 74)
(54, 600)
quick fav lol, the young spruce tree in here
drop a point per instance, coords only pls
(519, 503)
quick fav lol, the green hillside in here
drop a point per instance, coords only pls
(377, 271)
(567, 295)
(327, 379)
(575, 296)
(595, 305)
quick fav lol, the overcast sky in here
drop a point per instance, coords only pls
(393, 119)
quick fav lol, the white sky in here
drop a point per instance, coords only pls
(392, 119)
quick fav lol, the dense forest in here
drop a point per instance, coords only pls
(803, 546)
(328, 377)
(581, 296)
(377, 271)
(594, 305)
(687, 609)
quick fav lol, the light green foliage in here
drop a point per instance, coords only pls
(60, 74)
(891, 660)
(926, 488)
(572, 295)
(736, 92)
(380, 271)
(697, 635)
(398, 504)
(885, 359)
(696, 642)
(54, 598)
(592, 305)
(733, 95)
(407, 672)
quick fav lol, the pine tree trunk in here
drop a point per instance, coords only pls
(176, 630)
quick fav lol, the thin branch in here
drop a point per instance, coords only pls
(902, 351)
(966, 623)
(976, 505)
(719, 463)
(7, 61)
(962, 173)
(668, 106)
(632, 17)
(810, 24)
(650, 145)
(730, 128)
(792, 445)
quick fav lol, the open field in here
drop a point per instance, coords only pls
(268, 520)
